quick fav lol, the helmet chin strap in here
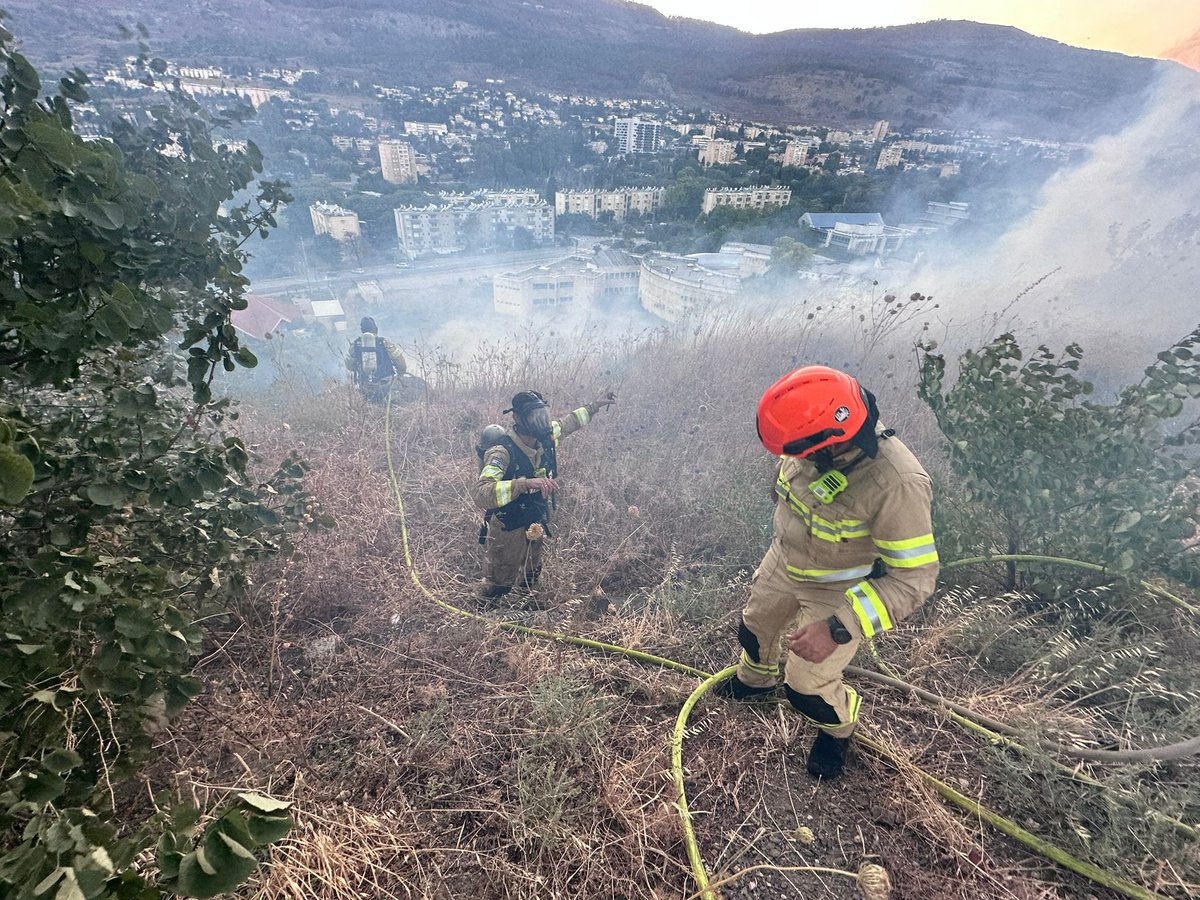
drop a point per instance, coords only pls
(823, 460)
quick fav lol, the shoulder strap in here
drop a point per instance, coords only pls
(519, 465)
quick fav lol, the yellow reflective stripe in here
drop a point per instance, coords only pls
(504, 492)
(828, 574)
(765, 669)
(842, 529)
(491, 473)
(582, 416)
(871, 611)
(557, 428)
(825, 529)
(855, 702)
(910, 553)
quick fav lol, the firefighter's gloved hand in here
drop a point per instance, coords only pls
(545, 486)
(813, 642)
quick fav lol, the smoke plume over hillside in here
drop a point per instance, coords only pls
(1111, 257)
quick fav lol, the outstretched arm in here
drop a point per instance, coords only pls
(581, 416)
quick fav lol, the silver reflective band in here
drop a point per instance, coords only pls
(823, 575)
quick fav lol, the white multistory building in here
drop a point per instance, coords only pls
(479, 221)
(758, 197)
(890, 157)
(398, 162)
(637, 135)
(619, 201)
(578, 282)
(331, 219)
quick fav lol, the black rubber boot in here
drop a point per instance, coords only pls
(734, 688)
(490, 592)
(827, 757)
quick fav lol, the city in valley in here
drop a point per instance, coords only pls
(505, 204)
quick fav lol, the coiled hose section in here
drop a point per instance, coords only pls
(992, 729)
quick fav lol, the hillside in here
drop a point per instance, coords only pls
(433, 753)
(950, 74)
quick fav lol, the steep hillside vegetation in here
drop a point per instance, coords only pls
(952, 74)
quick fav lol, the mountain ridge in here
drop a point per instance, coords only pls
(941, 74)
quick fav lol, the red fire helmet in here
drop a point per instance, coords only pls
(809, 409)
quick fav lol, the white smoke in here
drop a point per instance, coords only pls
(1111, 256)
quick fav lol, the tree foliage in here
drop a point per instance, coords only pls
(1047, 471)
(128, 510)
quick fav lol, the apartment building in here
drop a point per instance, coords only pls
(717, 152)
(398, 162)
(795, 153)
(758, 197)
(426, 128)
(890, 157)
(481, 221)
(619, 201)
(340, 224)
(637, 136)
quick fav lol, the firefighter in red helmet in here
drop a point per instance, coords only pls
(852, 553)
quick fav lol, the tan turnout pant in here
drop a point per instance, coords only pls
(512, 559)
(779, 605)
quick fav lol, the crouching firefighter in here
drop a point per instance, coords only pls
(516, 485)
(852, 552)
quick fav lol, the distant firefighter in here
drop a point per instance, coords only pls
(853, 551)
(374, 362)
(515, 488)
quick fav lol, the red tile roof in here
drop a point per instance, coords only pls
(263, 315)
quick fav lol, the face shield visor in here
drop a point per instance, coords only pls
(532, 416)
(536, 423)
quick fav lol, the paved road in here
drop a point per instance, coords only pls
(438, 270)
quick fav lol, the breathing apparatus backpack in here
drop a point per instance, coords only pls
(373, 362)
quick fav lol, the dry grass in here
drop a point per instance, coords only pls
(430, 756)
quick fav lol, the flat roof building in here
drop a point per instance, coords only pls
(577, 282)
(758, 197)
(340, 224)
(476, 221)
(637, 136)
(398, 162)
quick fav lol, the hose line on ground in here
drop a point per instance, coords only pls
(1043, 848)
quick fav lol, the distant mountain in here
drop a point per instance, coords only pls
(1187, 52)
(940, 74)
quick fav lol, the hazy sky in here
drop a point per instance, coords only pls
(1138, 27)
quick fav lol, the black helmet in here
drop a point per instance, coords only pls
(368, 326)
(525, 403)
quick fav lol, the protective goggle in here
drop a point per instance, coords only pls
(804, 445)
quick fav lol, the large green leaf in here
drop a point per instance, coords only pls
(16, 476)
(103, 494)
(263, 803)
